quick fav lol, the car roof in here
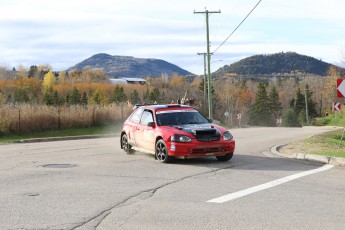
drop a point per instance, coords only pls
(163, 107)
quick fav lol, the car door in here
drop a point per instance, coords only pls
(145, 134)
(133, 126)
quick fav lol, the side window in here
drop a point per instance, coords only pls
(146, 117)
(136, 116)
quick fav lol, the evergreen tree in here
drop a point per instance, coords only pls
(21, 95)
(48, 97)
(146, 96)
(33, 71)
(84, 99)
(274, 103)
(290, 119)
(134, 97)
(154, 96)
(118, 95)
(55, 98)
(299, 105)
(311, 104)
(260, 112)
(75, 97)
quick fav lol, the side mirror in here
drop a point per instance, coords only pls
(151, 124)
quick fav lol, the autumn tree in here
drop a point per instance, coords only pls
(21, 71)
(48, 82)
(2, 98)
(98, 98)
(47, 88)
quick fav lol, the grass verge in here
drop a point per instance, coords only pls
(326, 144)
(109, 129)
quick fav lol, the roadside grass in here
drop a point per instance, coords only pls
(326, 144)
(97, 130)
(331, 120)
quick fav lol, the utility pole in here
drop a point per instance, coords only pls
(205, 80)
(206, 12)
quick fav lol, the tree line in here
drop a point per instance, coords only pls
(260, 103)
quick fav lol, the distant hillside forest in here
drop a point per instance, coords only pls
(125, 66)
(279, 63)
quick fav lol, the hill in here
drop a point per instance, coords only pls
(125, 66)
(277, 64)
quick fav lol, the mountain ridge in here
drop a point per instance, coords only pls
(128, 66)
(277, 63)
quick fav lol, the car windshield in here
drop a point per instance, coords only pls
(180, 117)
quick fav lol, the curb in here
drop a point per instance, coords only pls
(45, 139)
(338, 161)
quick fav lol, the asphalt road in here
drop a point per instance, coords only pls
(92, 184)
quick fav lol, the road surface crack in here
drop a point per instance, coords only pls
(97, 220)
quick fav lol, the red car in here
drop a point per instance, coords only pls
(175, 131)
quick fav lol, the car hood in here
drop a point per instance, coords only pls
(195, 128)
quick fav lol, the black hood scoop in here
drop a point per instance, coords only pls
(202, 132)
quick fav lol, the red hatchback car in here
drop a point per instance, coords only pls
(175, 131)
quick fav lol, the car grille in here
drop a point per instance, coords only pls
(207, 135)
(209, 150)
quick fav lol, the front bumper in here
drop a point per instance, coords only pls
(198, 148)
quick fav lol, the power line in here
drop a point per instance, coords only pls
(237, 26)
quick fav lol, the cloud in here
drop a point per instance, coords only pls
(63, 33)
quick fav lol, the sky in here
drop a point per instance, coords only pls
(65, 32)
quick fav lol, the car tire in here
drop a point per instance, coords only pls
(225, 157)
(161, 152)
(125, 145)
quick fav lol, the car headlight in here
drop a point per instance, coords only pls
(227, 136)
(180, 138)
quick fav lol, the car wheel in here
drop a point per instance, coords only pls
(162, 152)
(225, 157)
(125, 145)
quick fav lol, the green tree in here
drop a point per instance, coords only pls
(146, 96)
(21, 95)
(274, 102)
(154, 96)
(299, 104)
(260, 112)
(311, 104)
(134, 97)
(84, 99)
(290, 119)
(48, 97)
(118, 95)
(33, 71)
(75, 97)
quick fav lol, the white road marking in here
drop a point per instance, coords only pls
(267, 185)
